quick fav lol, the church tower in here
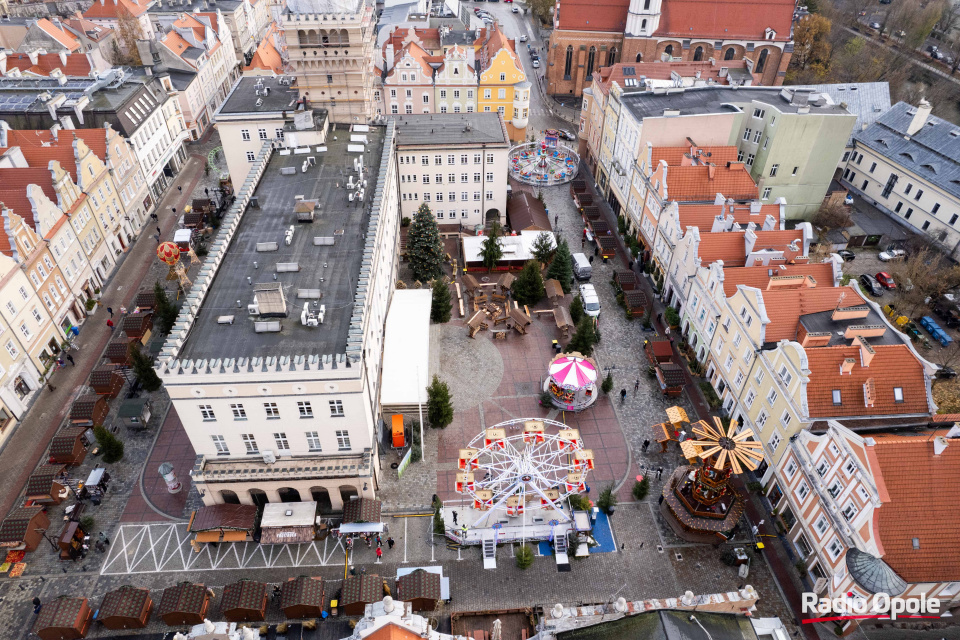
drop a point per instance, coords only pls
(643, 18)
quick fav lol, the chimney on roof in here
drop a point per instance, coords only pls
(769, 223)
(754, 207)
(718, 224)
(869, 393)
(63, 58)
(749, 240)
(866, 351)
(920, 117)
(846, 367)
(940, 445)
(34, 56)
(711, 170)
(54, 130)
(3, 62)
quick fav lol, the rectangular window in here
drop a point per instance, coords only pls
(221, 445)
(728, 362)
(821, 525)
(343, 440)
(766, 193)
(250, 443)
(803, 491)
(786, 419)
(738, 382)
(834, 489)
(245, 134)
(757, 135)
(919, 193)
(313, 441)
(773, 170)
(785, 375)
(898, 394)
(477, 158)
(262, 133)
(863, 493)
(822, 468)
(774, 442)
(206, 412)
(772, 397)
(888, 187)
(336, 408)
(426, 99)
(750, 158)
(803, 546)
(758, 113)
(898, 207)
(273, 412)
(836, 397)
(305, 408)
(476, 177)
(751, 396)
(746, 134)
(936, 208)
(239, 413)
(850, 468)
(762, 418)
(250, 156)
(850, 511)
(791, 469)
(282, 443)
(873, 167)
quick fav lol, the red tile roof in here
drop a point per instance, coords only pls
(111, 9)
(429, 39)
(759, 277)
(893, 365)
(68, 40)
(39, 147)
(13, 190)
(266, 57)
(677, 156)
(694, 184)
(703, 215)
(77, 64)
(726, 19)
(730, 247)
(593, 15)
(91, 30)
(785, 306)
(915, 480)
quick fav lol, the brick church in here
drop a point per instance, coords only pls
(589, 34)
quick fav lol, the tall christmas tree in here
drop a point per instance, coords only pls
(528, 287)
(440, 302)
(424, 247)
(562, 266)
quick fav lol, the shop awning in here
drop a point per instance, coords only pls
(361, 527)
(237, 517)
(361, 510)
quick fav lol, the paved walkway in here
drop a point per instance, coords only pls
(151, 502)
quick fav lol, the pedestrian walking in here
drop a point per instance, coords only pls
(50, 386)
(659, 317)
(390, 543)
(659, 472)
(464, 528)
(641, 545)
(158, 230)
(583, 242)
(623, 395)
(70, 359)
(174, 210)
(110, 311)
(379, 554)
(60, 363)
(155, 217)
(179, 188)
(454, 518)
(379, 541)
(156, 237)
(636, 386)
(646, 445)
(556, 220)
(110, 324)
(349, 544)
(104, 539)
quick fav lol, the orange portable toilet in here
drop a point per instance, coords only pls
(397, 423)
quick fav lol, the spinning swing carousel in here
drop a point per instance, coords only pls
(698, 501)
(546, 162)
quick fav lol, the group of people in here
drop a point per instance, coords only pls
(370, 539)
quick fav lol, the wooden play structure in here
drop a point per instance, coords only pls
(669, 431)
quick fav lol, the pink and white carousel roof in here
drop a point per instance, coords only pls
(573, 372)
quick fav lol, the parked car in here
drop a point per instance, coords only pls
(892, 254)
(536, 63)
(566, 135)
(590, 299)
(884, 279)
(514, 10)
(946, 373)
(523, 38)
(875, 25)
(871, 284)
(847, 255)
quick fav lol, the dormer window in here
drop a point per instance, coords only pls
(898, 394)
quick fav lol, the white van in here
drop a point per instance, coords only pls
(582, 268)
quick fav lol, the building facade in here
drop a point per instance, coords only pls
(456, 164)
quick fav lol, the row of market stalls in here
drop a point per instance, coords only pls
(244, 601)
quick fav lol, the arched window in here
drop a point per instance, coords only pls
(728, 54)
(698, 54)
(591, 59)
(762, 61)
(643, 27)
(568, 63)
(668, 50)
(646, 5)
(639, 57)
(612, 56)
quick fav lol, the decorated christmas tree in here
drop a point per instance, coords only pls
(424, 247)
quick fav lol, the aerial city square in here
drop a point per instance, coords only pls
(637, 319)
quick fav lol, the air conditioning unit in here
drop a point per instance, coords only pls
(269, 457)
(253, 309)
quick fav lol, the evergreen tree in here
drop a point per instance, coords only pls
(584, 339)
(424, 247)
(440, 305)
(439, 404)
(143, 369)
(543, 248)
(110, 445)
(607, 385)
(576, 310)
(528, 287)
(491, 249)
(165, 311)
(562, 266)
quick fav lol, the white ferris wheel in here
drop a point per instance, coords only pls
(518, 466)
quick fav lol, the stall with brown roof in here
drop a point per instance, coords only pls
(67, 446)
(526, 213)
(125, 608)
(244, 601)
(590, 214)
(224, 523)
(302, 597)
(658, 350)
(65, 618)
(24, 527)
(362, 510)
(137, 326)
(554, 291)
(636, 301)
(45, 485)
(626, 280)
(670, 377)
(89, 410)
(145, 300)
(106, 381)
(359, 591)
(118, 350)
(420, 588)
(184, 604)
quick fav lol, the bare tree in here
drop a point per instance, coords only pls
(128, 31)
(924, 275)
(832, 215)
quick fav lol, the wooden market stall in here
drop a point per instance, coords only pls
(590, 214)
(68, 446)
(520, 321)
(134, 414)
(89, 410)
(146, 300)
(607, 246)
(118, 350)
(302, 597)
(244, 601)
(626, 280)
(420, 588)
(564, 321)
(362, 510)
(125, 608)
(636, 301)
(24, 528)
(71, 539)
(554, 291)
(288, 522)
(504, 282)
(46, 485)
(138, 327)
(107, 381)
(64, 618)
(359, 591)
(184, 604)
(658, 350)
(670, 377)
(223, 523)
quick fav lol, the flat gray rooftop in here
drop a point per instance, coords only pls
(333, 269)
(823, 322)
(719, 99)
(450, 128)
(243, 96)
